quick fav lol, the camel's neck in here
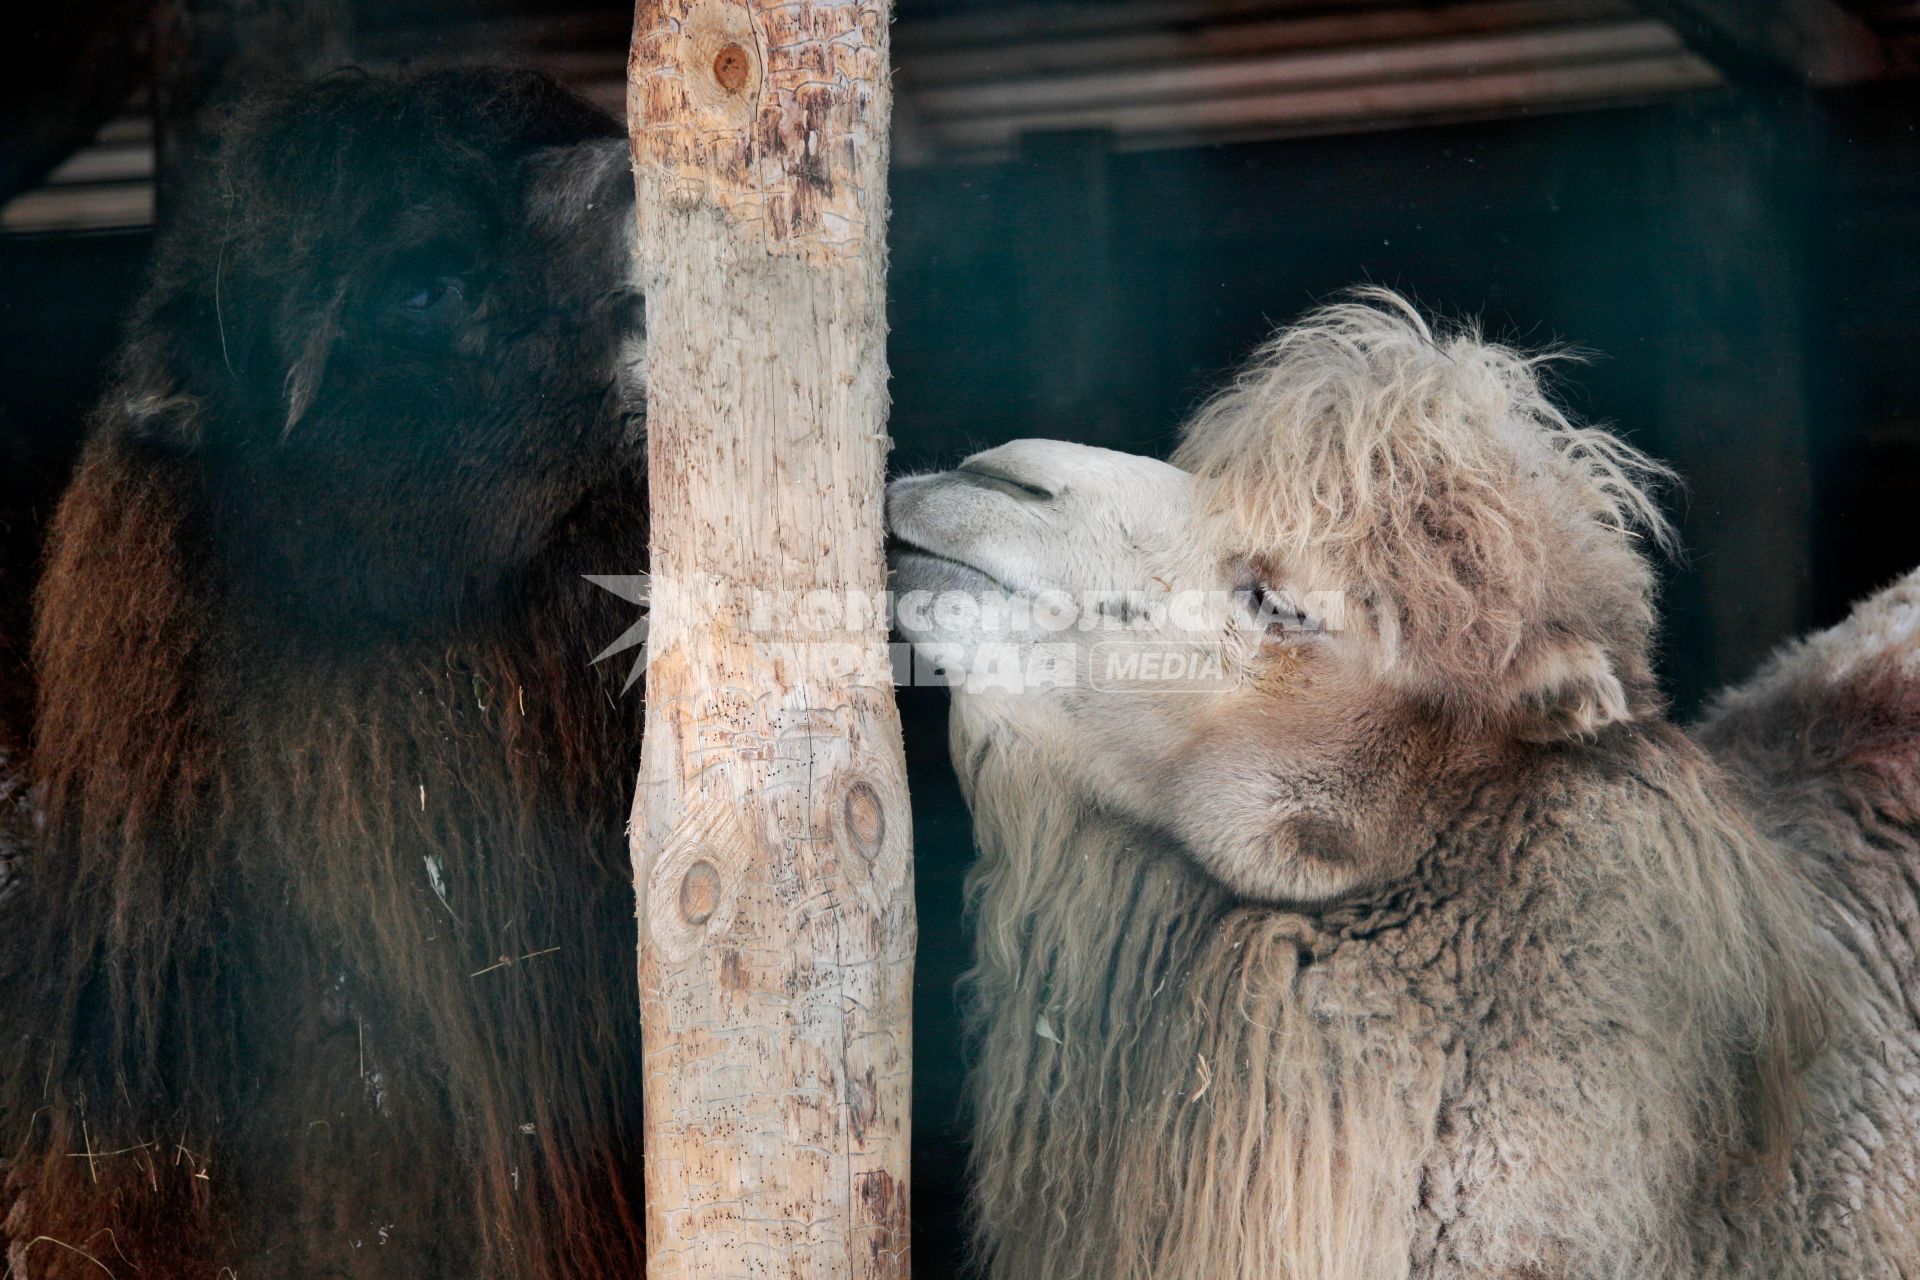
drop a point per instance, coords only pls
(1179, 1079)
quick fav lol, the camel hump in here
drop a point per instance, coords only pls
(1832, 721)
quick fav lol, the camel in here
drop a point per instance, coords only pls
(1347, 908)
(320, 948)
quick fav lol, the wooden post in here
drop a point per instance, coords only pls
(771, 834)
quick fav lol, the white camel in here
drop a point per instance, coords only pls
(1395, 932)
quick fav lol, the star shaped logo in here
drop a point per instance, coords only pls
(634, 588)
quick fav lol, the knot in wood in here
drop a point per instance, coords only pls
(866, 820)
(730, 68)
(699, 892)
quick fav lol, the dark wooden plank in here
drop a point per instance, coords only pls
(1021, 51)
(1374, 105)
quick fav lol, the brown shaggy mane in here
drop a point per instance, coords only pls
(323, 964)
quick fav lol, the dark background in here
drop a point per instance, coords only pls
(1741, 263)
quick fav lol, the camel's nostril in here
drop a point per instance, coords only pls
(994, 479)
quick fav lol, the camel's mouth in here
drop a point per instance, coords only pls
(920, 567)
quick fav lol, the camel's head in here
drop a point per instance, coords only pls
(1383, 556)
(393, 333)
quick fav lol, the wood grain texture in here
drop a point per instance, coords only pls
(771, 834)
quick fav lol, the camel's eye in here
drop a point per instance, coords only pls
(427, 294)
(432, 294)
(439, 302)
(1274, 610)
(1278, 611)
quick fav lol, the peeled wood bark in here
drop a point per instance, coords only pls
(771, 835)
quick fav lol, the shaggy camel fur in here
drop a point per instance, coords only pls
(322, 963)
(1411, 942)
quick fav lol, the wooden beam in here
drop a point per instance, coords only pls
(1150, 73)
(771, 833)
(1357, 106)
(105, 206)
(1388, 64)
(1049, 19)
(1815, 42)
(929, 60)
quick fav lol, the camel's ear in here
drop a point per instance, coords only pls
(1569, 690)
